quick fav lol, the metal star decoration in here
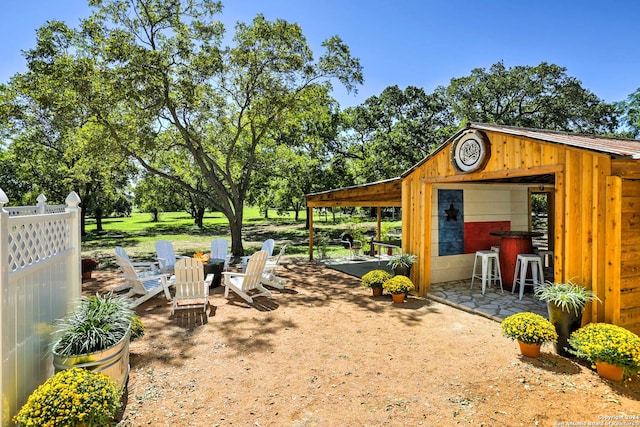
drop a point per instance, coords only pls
(452, 213)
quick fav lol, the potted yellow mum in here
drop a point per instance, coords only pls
(398, 286)
(73, 397)
(614, 350)
(374, 280)
(530, 330)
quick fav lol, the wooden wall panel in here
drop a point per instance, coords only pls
(630, 255)
(626, 168)
(613, 243)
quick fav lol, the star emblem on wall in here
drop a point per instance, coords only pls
(452, 213)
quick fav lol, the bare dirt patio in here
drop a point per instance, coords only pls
(324, 352)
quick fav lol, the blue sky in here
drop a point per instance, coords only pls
(423, 43)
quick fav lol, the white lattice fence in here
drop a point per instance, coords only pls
(39, 280)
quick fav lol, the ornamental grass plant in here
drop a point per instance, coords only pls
(604, 342)
(530, 328)
(569, 297)
(73, 397)
(95, 324)
(398, 285)
(375, 278)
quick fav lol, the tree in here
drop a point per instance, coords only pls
(629, 111)
(154, 74)
(390, 133)
(536, 97)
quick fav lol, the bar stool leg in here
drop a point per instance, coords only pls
(515, 275)
(485, 266)
(523, 277)
(499, 277)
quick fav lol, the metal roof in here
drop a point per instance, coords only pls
(614, 146)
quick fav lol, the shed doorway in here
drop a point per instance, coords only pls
(541, 217)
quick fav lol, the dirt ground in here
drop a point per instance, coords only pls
(324, 352)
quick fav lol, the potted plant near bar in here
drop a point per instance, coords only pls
(614, 350)
(96, 335)
(565, 304)
(401, 263)
(398, 286)
(374, 280)
(530, 330)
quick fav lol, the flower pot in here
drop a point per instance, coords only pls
(86, 275)
(377, 292)
(402, 271)
(398, 298)
(565, 323)
(609, 371)
(113, 361)
(529, 350)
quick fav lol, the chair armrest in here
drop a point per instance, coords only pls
(209, 279)
(233, 274)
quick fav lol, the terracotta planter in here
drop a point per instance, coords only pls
(377, 292)
(610, 372)
(86, 275)
(529, 350)
(398, 298)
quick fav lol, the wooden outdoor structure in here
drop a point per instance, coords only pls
(387, 193)
(594, 184)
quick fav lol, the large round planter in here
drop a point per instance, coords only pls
(529, 350)
(376, 291)
(608, 371)
(398, 298)
(565, 323)
(402, 271)
(113, 362)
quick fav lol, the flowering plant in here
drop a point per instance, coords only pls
(398, 285)
(603, 342)
(72, 397)
(375, 278)
(530, 328)
(89, 264)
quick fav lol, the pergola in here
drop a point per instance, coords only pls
(387, 193)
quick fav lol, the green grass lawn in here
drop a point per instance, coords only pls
(138, 233)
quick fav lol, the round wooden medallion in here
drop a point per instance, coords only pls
(470, 151)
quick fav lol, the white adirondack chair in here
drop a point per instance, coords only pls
(220, 250)
(166, 256)
(267, 246)
(143, 286)
(268, 276)
(141, 267)
(245, 283)
(192, 288)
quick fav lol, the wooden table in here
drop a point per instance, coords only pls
(513, 243)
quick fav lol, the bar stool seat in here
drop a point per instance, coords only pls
(490, 269)
(521, 269)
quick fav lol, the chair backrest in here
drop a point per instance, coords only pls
(219, 248)
(120, 252)
(189, 278)
(130, 275)
(255, 267)
(347, 241)
(166, 254)
(268, 246)
(277, 260)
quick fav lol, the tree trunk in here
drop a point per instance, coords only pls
(199, 217)
(99, 219)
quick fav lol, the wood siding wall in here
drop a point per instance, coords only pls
(630, 256)
(581, 210)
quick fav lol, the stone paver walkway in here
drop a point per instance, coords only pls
(493, 303)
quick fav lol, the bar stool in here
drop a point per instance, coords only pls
(522, 264)
(547, 257)
(495, 249)
(490, 271)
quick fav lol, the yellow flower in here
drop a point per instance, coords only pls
(375, 278)
(603, 342)
(530, 328)
(69, 398)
